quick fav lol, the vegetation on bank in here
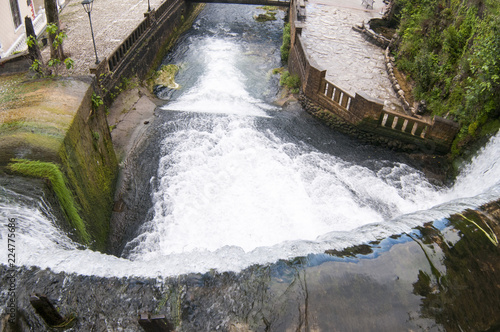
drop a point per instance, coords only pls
(285, 46)
(165, 76)
(290, 81)
(269, 15)
(449, 49)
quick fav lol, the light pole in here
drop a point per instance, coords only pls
(149, 7)
(87, 6)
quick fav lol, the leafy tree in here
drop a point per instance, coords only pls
(55, 34)
(450, 50)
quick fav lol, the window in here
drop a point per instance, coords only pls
(16, 15)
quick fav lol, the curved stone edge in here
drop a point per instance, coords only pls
(383, 42)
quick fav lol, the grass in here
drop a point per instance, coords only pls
(51, 172)
(292, 82)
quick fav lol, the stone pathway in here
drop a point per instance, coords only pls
(352, 63)
(112, 21)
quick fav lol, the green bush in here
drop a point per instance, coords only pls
(51, 172)
(285, 46)
(290, 81)
(450, 48)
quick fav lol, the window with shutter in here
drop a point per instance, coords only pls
(16, 14)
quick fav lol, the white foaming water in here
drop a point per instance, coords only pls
(235, 186)
(232, 197)
(221, 88)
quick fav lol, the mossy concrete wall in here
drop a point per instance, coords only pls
(91, 167)
(52, 120)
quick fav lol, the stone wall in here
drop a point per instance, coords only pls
(366, 113)
(372, 36)
(138, 53)
(15, 63)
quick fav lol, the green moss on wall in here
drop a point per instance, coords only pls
(89, 162)
(52, 125)
(51, 172)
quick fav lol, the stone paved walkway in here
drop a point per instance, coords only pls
(112, 21)
(352, 63)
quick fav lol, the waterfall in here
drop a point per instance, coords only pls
(231, 196)
(239, 182)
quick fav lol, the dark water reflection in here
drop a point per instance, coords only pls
(444, 276)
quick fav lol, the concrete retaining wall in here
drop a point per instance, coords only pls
(54, 122)
(89, 162)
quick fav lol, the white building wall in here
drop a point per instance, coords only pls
(13, 38)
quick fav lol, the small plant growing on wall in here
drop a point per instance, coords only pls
(291, 81)
(96, 102)
(53, 65)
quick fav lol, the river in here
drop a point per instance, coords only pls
(237, 181)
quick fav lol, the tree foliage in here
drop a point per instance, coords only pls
(451, 51)
(54, 33)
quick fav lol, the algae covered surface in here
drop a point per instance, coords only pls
(52, 172)
(35, 115)
(49, 130)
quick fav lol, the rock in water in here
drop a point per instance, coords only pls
(166, 76)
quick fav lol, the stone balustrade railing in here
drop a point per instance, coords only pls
(136, 54)
(334, 93)
(361, 110)
(404, 123)
(134, 38)
(119, 53)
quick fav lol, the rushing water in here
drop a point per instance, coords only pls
(240, 182)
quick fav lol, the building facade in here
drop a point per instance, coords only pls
(12, 30)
